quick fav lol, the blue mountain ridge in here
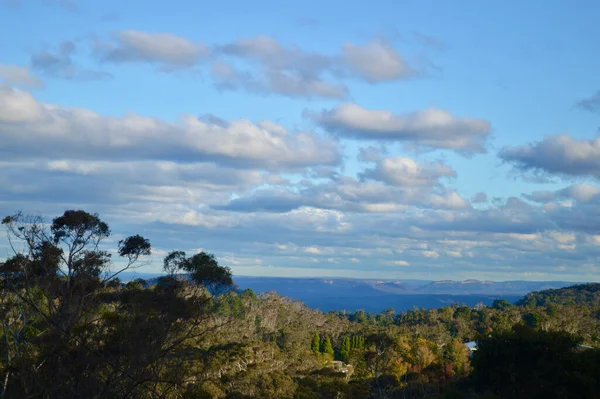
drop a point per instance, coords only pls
(347, 294)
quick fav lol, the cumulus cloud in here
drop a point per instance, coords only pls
(159, 172)
(58, 63)
(274, 55)
(179, 197)
(256, 183)
(291, 71)
(449, 200)
(19, 76)
(350, 195)
(541, 196)
(560, 154)
(375, 62)
(510, 216)
(580, 192)
(430, 128)
(278, 201)
(55, 131)
(288, 71)
(284, 83)
(562, 237)
(404, 171)
(259, 64)
(165, 49)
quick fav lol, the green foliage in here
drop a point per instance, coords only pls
(358, 342)
(580, 294)
(78, 228)
(501, 304)
(315, 345)
(456, 355)
(345, 349)
(173, 262)
(533, 320)
(133, 247)
(326, 347)
(462, 312)
(203, 268)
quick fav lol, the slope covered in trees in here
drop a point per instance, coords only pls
(70, 329)
(580, 294)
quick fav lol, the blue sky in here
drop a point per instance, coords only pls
(422, 139)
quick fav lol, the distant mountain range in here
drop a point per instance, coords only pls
(359, 287)
(377, 295)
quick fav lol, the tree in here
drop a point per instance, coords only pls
(345, 349)
(358, 342)
(501, 304)
(55, 288)
(457, 355)
(315, 345)
(132, 248)
(327, 348)
(203, 268)
(80, 234)
(174, 262)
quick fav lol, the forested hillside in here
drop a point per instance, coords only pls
(71, 329)
(581, 294)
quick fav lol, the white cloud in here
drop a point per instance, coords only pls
(523, 237)
(397, 263)
(18, 106)
(449, 200)
(430, 254)
(161, 172)
(562, 237)
(19, 76)
(385, 207)
(404, 171)
(557, 154)
(312, 250)
(581, 192)
(273, 67)
(431, 128)
(166, 49)
(595, 239)
(349, 195)
(375, 61)
(60, 132)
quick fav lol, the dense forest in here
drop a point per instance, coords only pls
(71, 329)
